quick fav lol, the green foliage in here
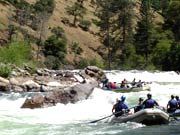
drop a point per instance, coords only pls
(59, 32)
(16, 53)
(126, 59)
(144, 39)
(12, 1)
(97, 63)
(82, 64)
(77, 10)
(52, 62)
(173, 58)
(44, 6)
(23, 5)
(115, 26)
(153, 46)
(96, 22)
(85, 24)
(93, 62)
(162, 48)
(5, 71)
(76, 49)
(55, 47)
(12, 30)
(55, 51)
(172, 19)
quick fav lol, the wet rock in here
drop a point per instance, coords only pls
(49, 87)
(69, 95)
(95, 72)
(36, 101)
(4, 86)
(4, 80)
(16, 88)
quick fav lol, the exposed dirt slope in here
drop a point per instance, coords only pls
(88, 41)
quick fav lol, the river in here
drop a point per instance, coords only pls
(73, 119)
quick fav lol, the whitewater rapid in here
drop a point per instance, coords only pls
(98, 105)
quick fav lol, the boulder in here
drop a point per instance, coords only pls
(4, 86)
(36, 101)
(95, 72)
(4, 80)
(69, 95)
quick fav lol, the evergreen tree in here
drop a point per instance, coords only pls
(143, 36)
(44, 6)
(124, 32)
(172, 22)
(105, 15)
(172, 18)
(115, 27)
(77, 10)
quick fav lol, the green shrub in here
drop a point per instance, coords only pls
(59, 32)
(52, 62)
(82, 64)
(76, 49)
(44, 6)
(85, 24)
(16, 53)
(5, 71)
(55, 47)
(97, 63)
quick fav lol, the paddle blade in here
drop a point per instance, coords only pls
(94, 121)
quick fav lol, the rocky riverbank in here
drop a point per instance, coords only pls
(49, 87)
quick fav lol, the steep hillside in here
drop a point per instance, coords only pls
(126, 34)
(88, 41)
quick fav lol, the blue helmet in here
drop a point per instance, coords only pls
(123, 97)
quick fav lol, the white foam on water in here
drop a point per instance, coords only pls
(97, 106)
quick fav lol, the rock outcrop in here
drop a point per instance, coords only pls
(49, 87)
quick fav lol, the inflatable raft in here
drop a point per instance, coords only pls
(152, 116)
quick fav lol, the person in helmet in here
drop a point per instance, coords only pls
(149, 102)
(178, 101)
(140, 105)
(120, 107)
(172, 105)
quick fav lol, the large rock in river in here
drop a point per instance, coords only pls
(65, 96)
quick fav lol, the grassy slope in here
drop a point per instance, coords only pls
(86, 40)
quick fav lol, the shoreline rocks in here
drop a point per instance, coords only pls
(50, 87)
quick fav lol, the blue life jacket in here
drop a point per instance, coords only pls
(172, 103)
(121, 105)
(178, 102)
(149, 103)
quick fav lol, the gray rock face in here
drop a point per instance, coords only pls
(36, 101)
(49, 87)
(70, 95)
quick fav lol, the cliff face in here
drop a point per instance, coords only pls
(88, 41)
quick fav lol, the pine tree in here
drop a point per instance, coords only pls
(143, 36)
(77, 10)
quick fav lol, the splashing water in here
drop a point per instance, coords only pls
(72, 119)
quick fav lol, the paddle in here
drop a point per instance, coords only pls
(94, 121)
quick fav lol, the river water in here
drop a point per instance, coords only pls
(73, 119)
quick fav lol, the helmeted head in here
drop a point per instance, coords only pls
(123, 98)
(149, 95)
(141, 99)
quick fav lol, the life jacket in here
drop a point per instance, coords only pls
(178, 104)
(172, 104)
(121, 105)
(149, 103)
(112, 85)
